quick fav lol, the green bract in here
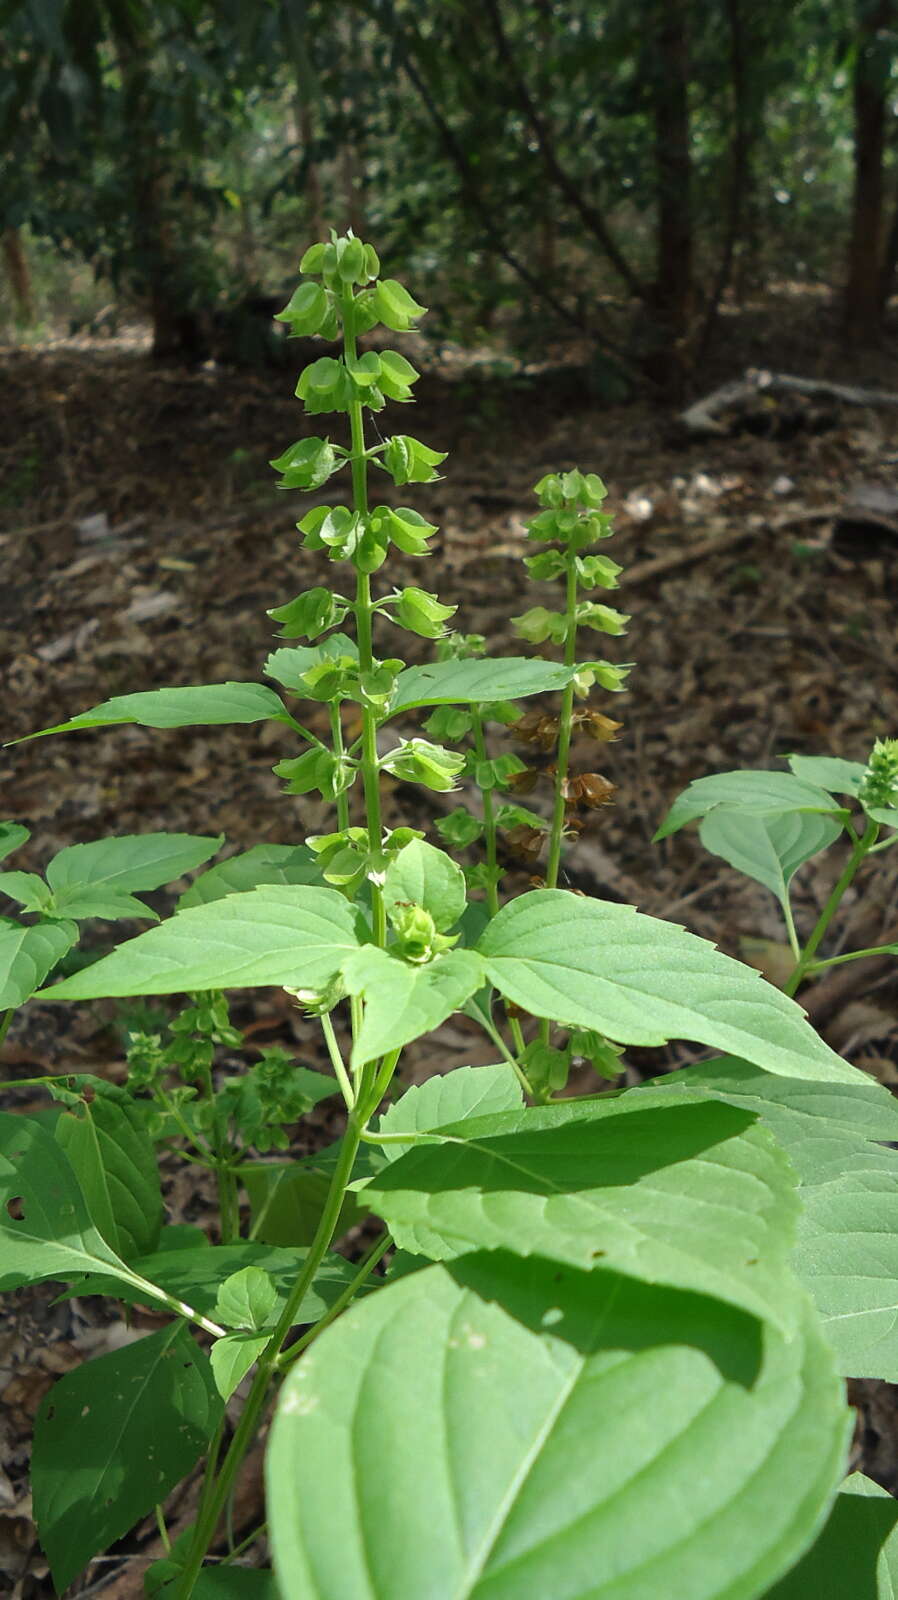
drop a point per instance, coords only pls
(606, 1357)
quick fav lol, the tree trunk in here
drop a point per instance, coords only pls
(863, 306)
(673, 290)
(16, 263)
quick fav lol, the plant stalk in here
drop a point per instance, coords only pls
(489, 819)
(207, 1520)
(860, 848)
(556, 832)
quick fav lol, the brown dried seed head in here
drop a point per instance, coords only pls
(597, 725)
(590, 789)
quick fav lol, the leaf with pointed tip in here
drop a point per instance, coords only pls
(829, 772)
(274, 934)
(508, 1429)
(643, 981)
(422, 875)
(474, 681)
(199, 705)
(770, 849)
(757, 792)
(114, 869)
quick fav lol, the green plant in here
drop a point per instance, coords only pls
(606, 1356)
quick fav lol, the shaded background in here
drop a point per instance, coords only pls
(611, 209)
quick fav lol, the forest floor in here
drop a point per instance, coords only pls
(141, 542)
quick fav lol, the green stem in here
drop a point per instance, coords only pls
(853, 955)
(366, 1267)
(333, 1050)
(379, 1085)
(486, 1022)
(244, 1544)
(163, 1531)
(794, 941)
(363, 622)
(339, 752)
(228, 1203)
(860, 848)
(4, 1025)
(489, 820)
(207, 1519)
(556, 832)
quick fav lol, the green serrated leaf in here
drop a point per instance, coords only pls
(403, 1002)
(269, 935)
(511, 1430)
(231, 1359)
(264, 863)
(473, 681)
(829, 772)
(643, 981)
(135, 862)
(203, 705)
(698, 1201)
(287, 1200)
(449, 1097)
(247, 1299)
(112, 1438)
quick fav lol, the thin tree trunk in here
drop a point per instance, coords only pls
(863, 303)
(673, 166)
(739, 173)
(18, 273)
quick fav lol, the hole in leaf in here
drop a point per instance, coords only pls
(15, 1208)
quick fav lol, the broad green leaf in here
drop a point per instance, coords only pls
(286, 1202)
(114, 1160)
(886, 816)
(421, 875)
(768, 848)
(846, 1252)
(761, 793)
(196, 1274)
(139, 862)
(112, 1438)
(275, 934)
(246, 1299)
(45, 1226)
(822, 1126)
(472, 682)
(200, 705)
(829, 772)
(12, 835)
(697, 1200)
(643, 981)
(508, 1429)
(27, 955)
(26, 887)
(856, 1555)
(231, 1359)
(450, 1097)
(403, 1002)
(264, 863)
(847, 1256)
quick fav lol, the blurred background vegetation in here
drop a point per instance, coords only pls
(623, 172)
